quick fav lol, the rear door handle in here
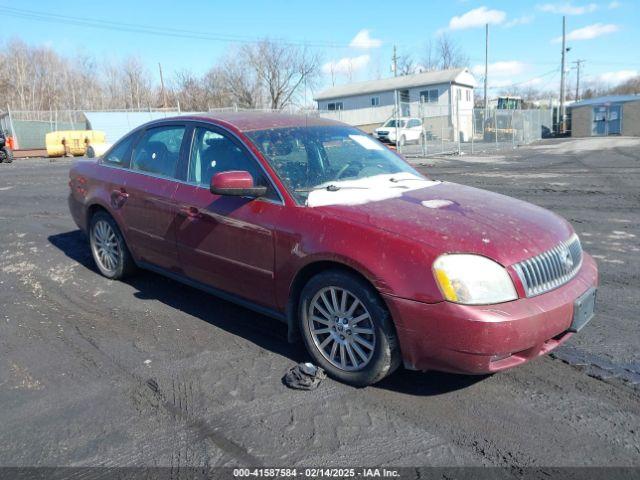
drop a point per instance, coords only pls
(191, 212)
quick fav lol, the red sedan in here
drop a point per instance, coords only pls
(321, 226)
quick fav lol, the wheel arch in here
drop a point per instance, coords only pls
(305, 274)
(92, 210)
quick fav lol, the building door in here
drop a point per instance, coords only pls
(613, 119)
(606, 120)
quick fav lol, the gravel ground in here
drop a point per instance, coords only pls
(150, 372)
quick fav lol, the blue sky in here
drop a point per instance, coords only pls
(353, 35)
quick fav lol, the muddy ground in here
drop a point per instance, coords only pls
(150, 372)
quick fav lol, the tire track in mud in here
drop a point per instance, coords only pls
(100, 364)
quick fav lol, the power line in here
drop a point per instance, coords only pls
(58, 19)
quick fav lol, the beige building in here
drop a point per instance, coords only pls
(611, 115)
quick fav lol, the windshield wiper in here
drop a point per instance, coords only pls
(397, 180)
(329, 188)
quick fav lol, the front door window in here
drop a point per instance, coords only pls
(213, 152)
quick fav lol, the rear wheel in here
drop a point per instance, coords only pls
(109, 250)
(347, 329)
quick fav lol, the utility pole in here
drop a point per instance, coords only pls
(486, 64)
(578, 63)
(164, 95)
(562, 112)
(395, 62)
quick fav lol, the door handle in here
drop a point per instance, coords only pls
(118, 197)
(191, 212)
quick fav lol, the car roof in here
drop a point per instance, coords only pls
(251, 120)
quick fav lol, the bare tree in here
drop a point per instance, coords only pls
(282, 70)
(630, 86)
(406, 65)
(238, 82)
(264, 74)
(428, 60)
(137, 83)
(449, 54)
(189, 91)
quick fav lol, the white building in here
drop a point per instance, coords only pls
(441, 98)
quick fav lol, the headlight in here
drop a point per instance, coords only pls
(473, 280)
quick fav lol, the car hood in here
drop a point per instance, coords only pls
(453, 218)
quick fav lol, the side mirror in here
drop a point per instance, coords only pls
(237, 183)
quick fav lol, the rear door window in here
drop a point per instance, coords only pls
(120, 154)
(158, 150)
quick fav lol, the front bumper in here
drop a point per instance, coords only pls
(487, 338)
(386, 138)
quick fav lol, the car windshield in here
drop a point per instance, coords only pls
(392, 123)
(307, 158)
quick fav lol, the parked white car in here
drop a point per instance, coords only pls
(409, 130)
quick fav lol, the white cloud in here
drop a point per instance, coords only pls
(363, 40)
(346, 65)
(477, 17)
(523, 20)
(502, 69)
(613, 5)
(614, 78)
(567, 8)
(589, 32)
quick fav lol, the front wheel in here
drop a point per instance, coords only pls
(347, 328)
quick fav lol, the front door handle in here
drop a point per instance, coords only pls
(191, 212)
(118, 197)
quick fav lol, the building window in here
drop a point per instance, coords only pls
(459, 93)
(429, 96)
(468, 95)
(334, 106)
(375, 101)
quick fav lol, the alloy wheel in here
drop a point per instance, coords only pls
(105, 246)
(342, 328)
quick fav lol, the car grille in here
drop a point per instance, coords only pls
(552, 268)
(383, 132)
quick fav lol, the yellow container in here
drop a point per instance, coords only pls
(72, 142)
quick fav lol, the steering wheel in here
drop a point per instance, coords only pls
(345, 168)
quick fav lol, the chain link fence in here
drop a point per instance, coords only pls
(416, 129)
(419, 129)
(29, 127)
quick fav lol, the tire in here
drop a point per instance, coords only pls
(6, 155)
(108, 248)
(376, 354)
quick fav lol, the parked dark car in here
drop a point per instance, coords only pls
(314, 223)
